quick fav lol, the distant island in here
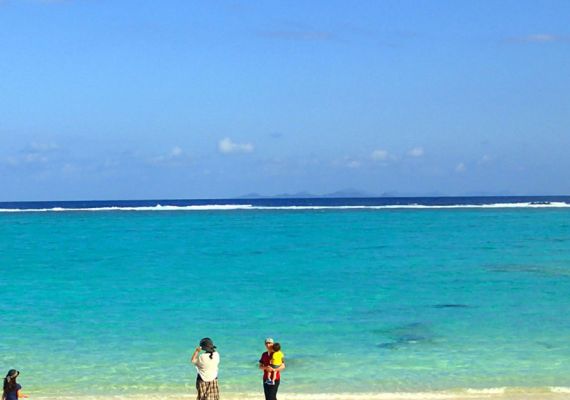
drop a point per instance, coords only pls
(344, 193)
(355, 193)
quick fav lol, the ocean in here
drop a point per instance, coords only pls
(385, 297)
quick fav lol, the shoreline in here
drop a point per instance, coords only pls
(550, 393)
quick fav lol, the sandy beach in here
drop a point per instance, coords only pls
(488, 394)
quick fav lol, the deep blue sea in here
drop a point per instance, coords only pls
(378, 295)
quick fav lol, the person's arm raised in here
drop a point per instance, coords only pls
(194, 359)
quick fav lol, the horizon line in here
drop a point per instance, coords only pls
(286, 197)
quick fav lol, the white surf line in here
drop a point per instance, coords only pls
(231, 207)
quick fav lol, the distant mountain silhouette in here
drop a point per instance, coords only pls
(349, 193)
(343, 193)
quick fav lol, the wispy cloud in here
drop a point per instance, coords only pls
(34, 153)
(353, 164)
(175, 157)
(539, 38)
(42, 147)
(380, 155)
(460, 168)
(227, 146)
(299, 31)
(70, 169)
(486, 159)
(347, 161)
(416, 152)
(300, 35)
(176, 152)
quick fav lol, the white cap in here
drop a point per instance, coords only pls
(269, 340)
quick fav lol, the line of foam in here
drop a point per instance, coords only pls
(231, 207)
(500, 393)
(158, 207)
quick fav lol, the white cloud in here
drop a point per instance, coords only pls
(460, 167)
(34, 158)
(227, 146)
(380, 155)
(176, 152)
(11, 161)
(485, 159)
(542, 37)
(34, 154)
(346, 162)
(176, 156)
(354, 164)
(42, 147)
(539, 38)
(416, 152)
(70, 169)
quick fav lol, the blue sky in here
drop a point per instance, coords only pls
(106, 99)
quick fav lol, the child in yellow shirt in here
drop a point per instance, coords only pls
(276, 361)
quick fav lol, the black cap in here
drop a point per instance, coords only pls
(207, 345)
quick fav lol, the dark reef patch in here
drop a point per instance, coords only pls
(406, 335)
(451, 306)
(546, 271)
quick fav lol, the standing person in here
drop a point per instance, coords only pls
(265, 365)
(207, 366)
(11, 390)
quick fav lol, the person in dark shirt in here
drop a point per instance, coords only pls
(270, 391)
(11, 387)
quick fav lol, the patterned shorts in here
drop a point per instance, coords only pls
(207, 390)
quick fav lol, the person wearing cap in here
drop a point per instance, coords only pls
(11, 390)
(207, 363)
(270, 390)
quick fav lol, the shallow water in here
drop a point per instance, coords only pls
(362, 300)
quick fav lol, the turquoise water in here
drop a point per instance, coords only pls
(361, 300)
